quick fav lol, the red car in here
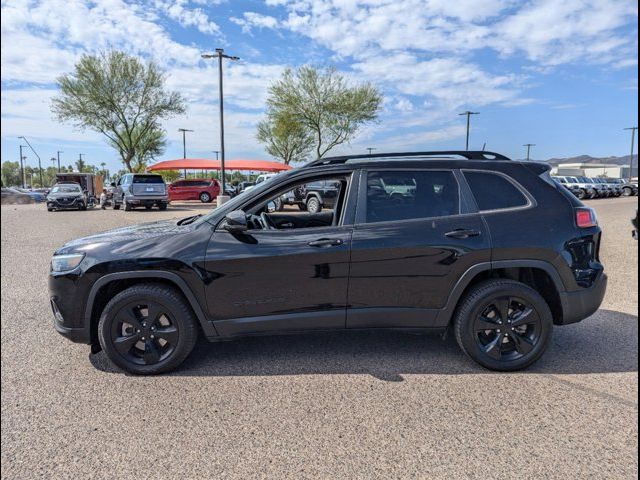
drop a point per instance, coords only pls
(204, 190)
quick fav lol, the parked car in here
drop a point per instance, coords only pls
(205, 190)
(38, 197)
(242, 186)
(470, 251)
(612, 190)
(13, 196)
(628, 189)
(67, 196)
(580, 189)
(90, 183)
(312, 197)
(140, 190)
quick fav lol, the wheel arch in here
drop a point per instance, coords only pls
(107, 286)
(538, 274)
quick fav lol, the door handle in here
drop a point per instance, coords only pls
(325, 242)
(462, 233)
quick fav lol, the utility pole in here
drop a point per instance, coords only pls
(220, 54)
(369, 149)
(22, 159)
(38, 156)
(633, 139)
(468, 114)
(58, 155)
(529, 145)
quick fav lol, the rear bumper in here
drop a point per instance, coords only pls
(577, 306)
(144, 200)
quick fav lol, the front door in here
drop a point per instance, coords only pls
(292, 276)
(410, 245)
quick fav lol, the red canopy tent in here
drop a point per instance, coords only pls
(208, 164)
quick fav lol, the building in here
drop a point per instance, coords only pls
(594, 170)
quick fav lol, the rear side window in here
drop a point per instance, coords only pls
(493, 191)
(147, 179)
(406, 195)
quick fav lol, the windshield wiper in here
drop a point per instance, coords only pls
(188, 220)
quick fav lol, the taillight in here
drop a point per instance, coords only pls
(586, 218)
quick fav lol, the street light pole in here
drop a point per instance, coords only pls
(22, 158)
(220, 54)
(58, 155)
(633, 139)
(529, 145)
(370, 149)
(468, 114)
(184, 145)
(38, 156)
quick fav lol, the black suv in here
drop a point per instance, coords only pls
(491, 249)
(313, 197)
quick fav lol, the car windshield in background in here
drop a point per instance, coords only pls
(147, 179)
(66, 189)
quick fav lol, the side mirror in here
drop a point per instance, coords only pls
(236, 222)
(113, 184)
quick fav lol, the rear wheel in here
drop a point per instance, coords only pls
(313, 205)
(162, 206)
(127, 206)
(205, 197)
(627, 192)
(147, 329)
(503, 325)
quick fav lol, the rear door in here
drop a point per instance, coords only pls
(415, 235)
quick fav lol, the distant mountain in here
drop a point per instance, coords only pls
(589, 159)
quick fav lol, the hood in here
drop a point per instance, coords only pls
(126, 240)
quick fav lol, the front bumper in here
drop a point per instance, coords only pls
(577, 306)
(67, 298)
(59, 205)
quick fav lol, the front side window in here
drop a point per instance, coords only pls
(494, 192)
(406, 195)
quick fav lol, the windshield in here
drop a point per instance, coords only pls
(66, 189)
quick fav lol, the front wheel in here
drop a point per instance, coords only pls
(582, 193)
(147, 329)
(627, 192)
(503, 325)
(127, 207)
(313, 205)
(205, 197)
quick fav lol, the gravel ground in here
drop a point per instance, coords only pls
(352, 405)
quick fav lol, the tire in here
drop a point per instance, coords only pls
(127, 207)
(582, 194)
(313, 205)
(302, 207)
(627, 192)
(148, 207)
(493, 348)
(49, 209)
(205, 197)
(174, 324)
(162, 206)
(116, 206)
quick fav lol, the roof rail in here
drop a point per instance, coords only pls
(467, 154)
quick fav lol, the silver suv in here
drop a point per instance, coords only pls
(140, 190)
(582, 189)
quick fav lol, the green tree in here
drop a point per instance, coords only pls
(11, 174)
(151, 143)
(81, 165)
(119, 96)
(285, 137)
(169, 175)
(323, 103)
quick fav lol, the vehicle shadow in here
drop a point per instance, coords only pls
(607, 342)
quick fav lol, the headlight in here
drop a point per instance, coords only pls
(66, 263)
(49, 199)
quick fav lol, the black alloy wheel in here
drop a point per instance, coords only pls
(503, 324)
(147, 329)
(508, 328)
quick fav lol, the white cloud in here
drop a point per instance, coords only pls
(179, 11)
(252, 20)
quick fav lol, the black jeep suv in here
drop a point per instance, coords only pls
(491, 249)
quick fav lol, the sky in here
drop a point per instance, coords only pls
(558, 74)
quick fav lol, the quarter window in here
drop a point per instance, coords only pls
(494, 192)
(406, 195)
